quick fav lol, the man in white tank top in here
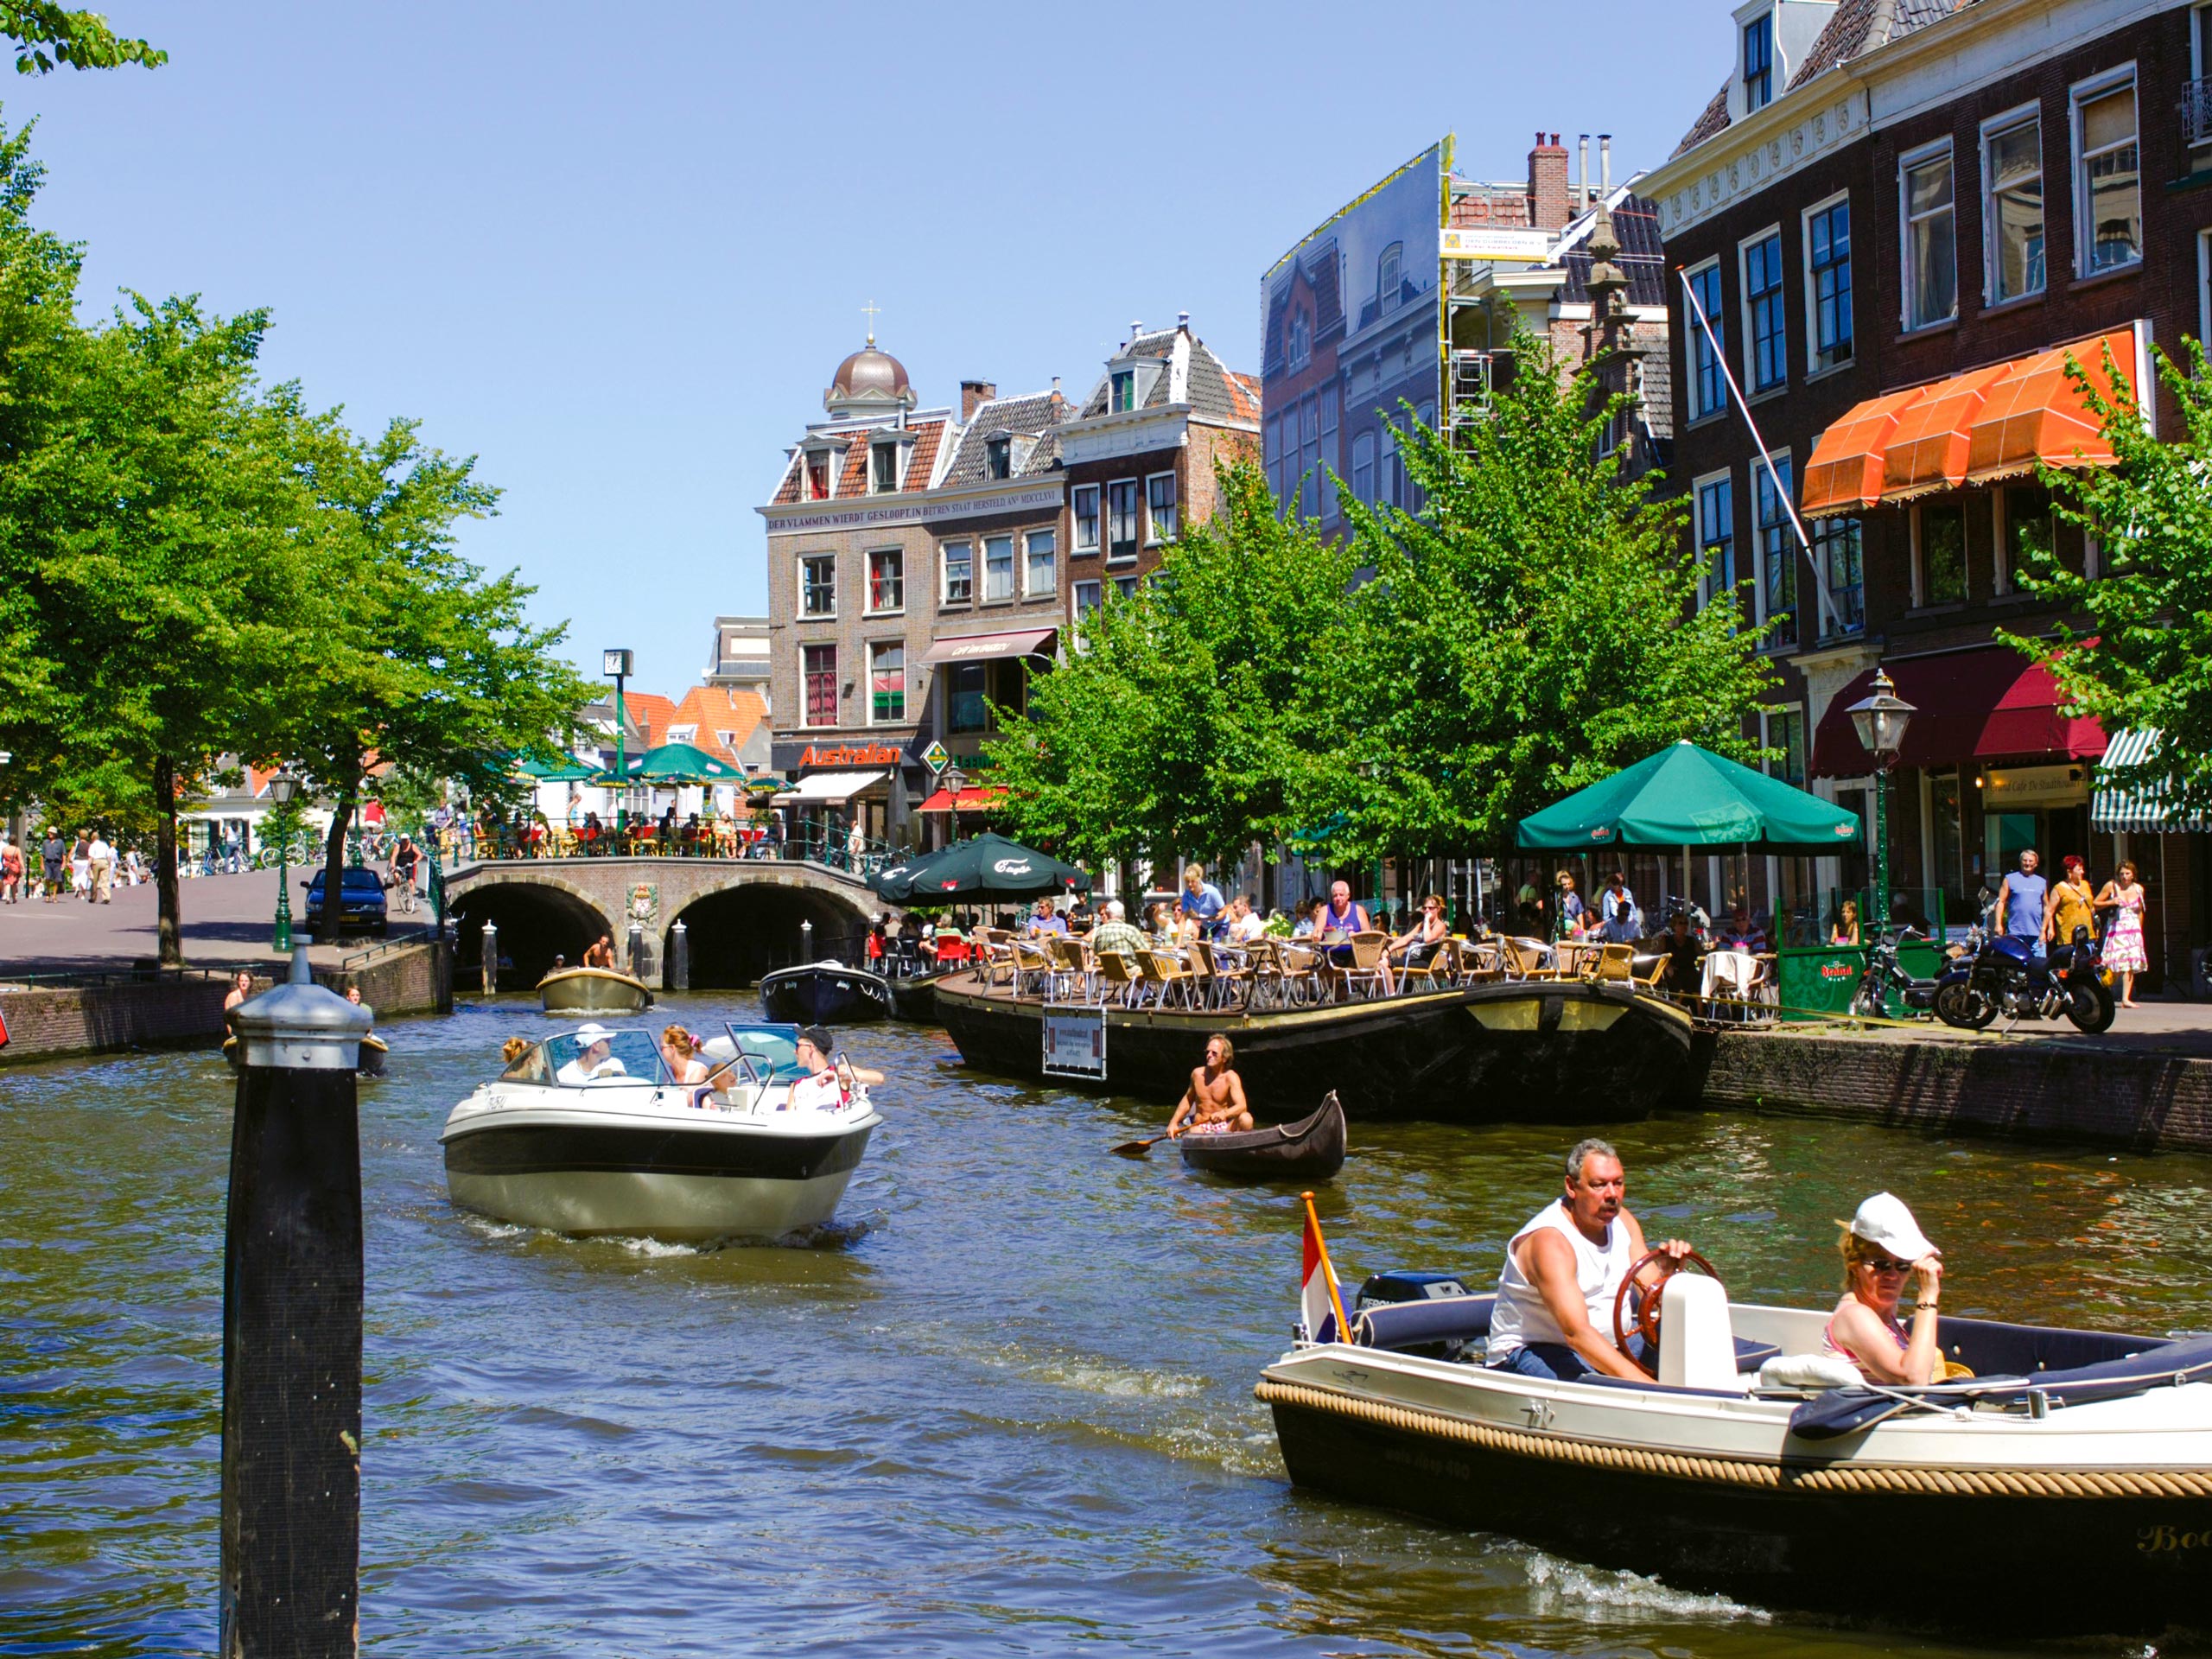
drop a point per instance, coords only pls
(1554, 1314)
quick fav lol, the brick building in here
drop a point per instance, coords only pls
(1898, 217)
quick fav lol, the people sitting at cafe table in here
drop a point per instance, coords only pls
(1045, 921)
(1685, 954)
(1115, 933)
(1342, 916)
(1201, 900)
(1619, 921)
(1245, 922)
(1563, 1272)
(1214, 1103)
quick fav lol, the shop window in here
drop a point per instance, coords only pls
(819, 665)
(887, 683)
(966, 709)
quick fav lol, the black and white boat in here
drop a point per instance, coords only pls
(585, 1133)
(825, 993)
(2066, 1488)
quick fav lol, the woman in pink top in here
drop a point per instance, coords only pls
(1882, 1246)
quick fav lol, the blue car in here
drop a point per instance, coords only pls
(360, 902)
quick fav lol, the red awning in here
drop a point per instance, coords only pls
(983, 647)
(1988, 703)
(980, 798)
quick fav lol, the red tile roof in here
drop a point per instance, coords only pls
(715, 710)
(652, 713)
(852, 474)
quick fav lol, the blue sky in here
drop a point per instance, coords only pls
(616, 252)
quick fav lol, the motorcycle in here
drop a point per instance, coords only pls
(2003, 977)
(1884, 973)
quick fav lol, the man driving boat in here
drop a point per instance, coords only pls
(1563, 1271)
(594, 1057)
(823, 1088)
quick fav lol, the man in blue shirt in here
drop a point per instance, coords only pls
(2020, 904)
(1201, 898)
(1046, 921)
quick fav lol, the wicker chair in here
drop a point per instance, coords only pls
(1368, 971)
(1033, 969)
(1166, 977)
(1072, 970)
(1120, 979)
(1228, 984)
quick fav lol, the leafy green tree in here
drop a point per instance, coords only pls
(2143, 657)
(48, 36)
(1533, 627)
(419, 666)
(1179, 720)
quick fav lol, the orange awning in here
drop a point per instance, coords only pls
(1845, 470)
(975, 797)
(2036, 414)
(1990, 423)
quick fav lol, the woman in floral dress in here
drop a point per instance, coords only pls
(2123, 953)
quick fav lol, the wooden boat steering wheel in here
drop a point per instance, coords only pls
(1646, 1323)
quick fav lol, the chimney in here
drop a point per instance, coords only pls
(1605, 163)
(1582, 173)
(1547, 183)
(1135, 328)
(1183, 321)
(974, 394)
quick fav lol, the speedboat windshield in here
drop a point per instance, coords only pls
(775, 1046)
(579, 1057)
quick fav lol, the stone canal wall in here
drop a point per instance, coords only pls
(52, 1022)
(2041, 1088)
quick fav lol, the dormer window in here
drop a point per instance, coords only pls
(1390, 276)
(1301, 340)
(883, 468)
(1123, 391)
(1758, 62)
(817, 476)
(998, 457)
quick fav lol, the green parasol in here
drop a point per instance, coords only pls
(1688, 796)
(563, 770)
(679, 763)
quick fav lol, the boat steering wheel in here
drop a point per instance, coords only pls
(1646, 1322)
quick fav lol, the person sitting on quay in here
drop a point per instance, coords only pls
(1420, 944)
(1881, 1245)
(1201, 900)
(1046, 922)
(241, 988)
(823, 1088)
(1244, 921)
(679, 1050)
(1214, 1103)
(594, 1058)
(1563, 1272)
(1115, 933)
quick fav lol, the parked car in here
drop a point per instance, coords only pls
(360, 902)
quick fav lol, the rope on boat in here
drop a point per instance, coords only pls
(1770, 1477)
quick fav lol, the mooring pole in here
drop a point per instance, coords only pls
(291, 1497)
(635, 944)
(678, 977)
(491, 959)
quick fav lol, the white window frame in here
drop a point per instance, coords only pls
(1029, 589)
(2080, 93)
(1744, 59)
(1113, 391)
(836, 700)
(1998, 126)
(1698, 486)
(1012, 569)
(1813, 363)
(1752, 388)
(897, 467)
(1385, 302)
(868, 576)
(833, 464)
(1906, 162)
(906, 690)
(1076, 610)
(1695, 341)
(1097, 519)
(945, 570)
(1365, 463)
(1332, 458)
(1151, 536)
(804, 614)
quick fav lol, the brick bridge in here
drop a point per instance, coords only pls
(742, 917)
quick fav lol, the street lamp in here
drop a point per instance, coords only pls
(617, 665)
(954, 780)
(1881, 719)
(283, 789)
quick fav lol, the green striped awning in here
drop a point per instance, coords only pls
(2134, 811)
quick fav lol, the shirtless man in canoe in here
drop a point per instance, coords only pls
(1214, 1103)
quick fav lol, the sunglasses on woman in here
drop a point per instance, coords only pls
(1884, 1264)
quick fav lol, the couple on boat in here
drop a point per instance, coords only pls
(1564, 1270)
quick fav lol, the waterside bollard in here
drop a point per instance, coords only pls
(491, 959)
(679, 958)
(635, 944)
(291, 1496)
(806, 941)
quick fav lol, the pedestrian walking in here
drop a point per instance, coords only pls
(103, 869)
(53, 855)
(856, 847)
(81, 867)
(11, 871)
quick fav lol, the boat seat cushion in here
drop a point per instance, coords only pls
(1992, 1348)
(1437, 1326)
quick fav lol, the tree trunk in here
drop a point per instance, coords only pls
(166, 910)
(334, 868)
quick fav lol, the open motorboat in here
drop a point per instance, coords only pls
(593, 990)
(585, 1132)
(825, 993)
(2066, 1487)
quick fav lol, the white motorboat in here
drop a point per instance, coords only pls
(585, 1132)
(2067, 1487)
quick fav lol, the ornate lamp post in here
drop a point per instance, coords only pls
(617, 665)
(1881, 719)
(283, 789)
(954, 780)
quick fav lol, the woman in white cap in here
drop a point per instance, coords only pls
(1882, 1246)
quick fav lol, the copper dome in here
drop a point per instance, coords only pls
(870, 376)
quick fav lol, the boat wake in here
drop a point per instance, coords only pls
(1564, 1589)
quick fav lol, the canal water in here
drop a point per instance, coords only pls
(1004, 1408)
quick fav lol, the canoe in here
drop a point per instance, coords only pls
(825, 994)
(592, 990)
(1312, 1150)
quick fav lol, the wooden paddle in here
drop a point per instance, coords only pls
(1138, 1148)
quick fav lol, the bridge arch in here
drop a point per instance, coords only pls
(539, 917)
(738, 932)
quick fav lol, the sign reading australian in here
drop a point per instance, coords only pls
(846, 755)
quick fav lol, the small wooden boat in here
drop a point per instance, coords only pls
(825, 994)
(1312, 1150)
(593, 990)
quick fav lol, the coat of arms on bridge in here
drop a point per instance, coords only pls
(644, 903)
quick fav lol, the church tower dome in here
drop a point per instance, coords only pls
(870, 382)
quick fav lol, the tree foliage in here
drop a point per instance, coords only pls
(2143, 657)
(48, 36)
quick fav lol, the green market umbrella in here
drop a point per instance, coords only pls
(563, 770)
(982, 866)
(1687, 797)
(679, 763)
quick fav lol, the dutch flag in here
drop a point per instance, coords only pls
(1321, 1306)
